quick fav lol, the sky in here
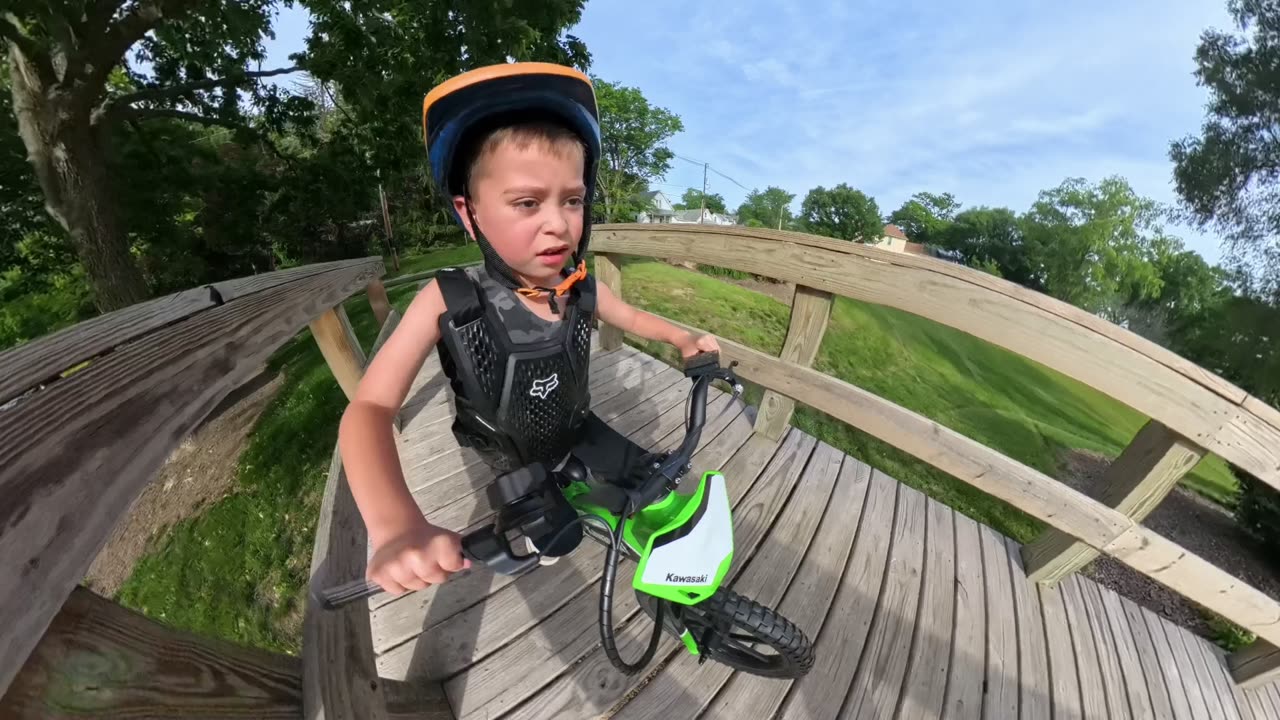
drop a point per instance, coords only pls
(991, 101)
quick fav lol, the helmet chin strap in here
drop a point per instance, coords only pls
(502, 272)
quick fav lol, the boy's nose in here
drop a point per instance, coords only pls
(557, 222)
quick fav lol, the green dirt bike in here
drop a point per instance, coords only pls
(682, 544)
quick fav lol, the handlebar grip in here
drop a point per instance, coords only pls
(337, 596)
(700, 363)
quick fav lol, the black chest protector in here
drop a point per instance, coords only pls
(519, 381)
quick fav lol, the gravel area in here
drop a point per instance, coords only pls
(1193, 522)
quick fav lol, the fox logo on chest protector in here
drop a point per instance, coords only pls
(542, 388)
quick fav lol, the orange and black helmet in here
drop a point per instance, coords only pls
(463, 107)
(460, 111)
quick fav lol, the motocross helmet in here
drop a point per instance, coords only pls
(462, 110)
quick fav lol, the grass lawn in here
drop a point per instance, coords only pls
(447, 257)
(239, 569)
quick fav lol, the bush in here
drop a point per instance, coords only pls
(1258, 513)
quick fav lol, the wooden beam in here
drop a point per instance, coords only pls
(378, 301)
(1198, 580)
(967, 460)
(337, 340)
(1186, 398)
(339, 672)
(101, 660)
(1134, 484)
(1255, 665)
(810, 310)
(75, 454)
(609, 273)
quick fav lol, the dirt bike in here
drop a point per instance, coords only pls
(682, 544)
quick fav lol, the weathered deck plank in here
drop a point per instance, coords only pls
(916, 612)
(819, 695)
(1064, 678)
(1034, 688)
(878, 682)
(968, 644)
(809, 599)
(925, 687)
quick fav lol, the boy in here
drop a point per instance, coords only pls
(515, 148)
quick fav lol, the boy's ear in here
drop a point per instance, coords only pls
(460, 207)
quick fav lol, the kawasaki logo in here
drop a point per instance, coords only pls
(687, 579)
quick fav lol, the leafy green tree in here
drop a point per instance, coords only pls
(770, 208)
(843, 213)
(1090, 243)
(925, 216)
(73, 89)
(634, 153)
(692, 200)
(1229, 176)
(990, 238)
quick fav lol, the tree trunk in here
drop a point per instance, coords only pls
(69, 162)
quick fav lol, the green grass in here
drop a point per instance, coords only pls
(446, 257)
(1002, 400)
(239, 570)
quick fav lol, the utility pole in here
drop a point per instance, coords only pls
(386, 225)
(703, 214)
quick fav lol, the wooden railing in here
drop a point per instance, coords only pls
(88, 416)
(1192, 411)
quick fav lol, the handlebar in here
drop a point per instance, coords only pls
(489, 548)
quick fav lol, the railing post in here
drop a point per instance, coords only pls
(610, 273)
(1134, 484)
(1256, 664)
(378, 301)
(810, 310)
(341, 350)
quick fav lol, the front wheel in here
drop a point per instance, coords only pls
(738, 632)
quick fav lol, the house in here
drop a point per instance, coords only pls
(657, 207)
(892, 238)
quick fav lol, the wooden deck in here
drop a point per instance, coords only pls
(917, 611)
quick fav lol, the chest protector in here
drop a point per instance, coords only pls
(519, 381)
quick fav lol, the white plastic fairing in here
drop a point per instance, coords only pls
(696, 558)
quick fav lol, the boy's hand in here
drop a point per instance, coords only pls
(692, 344)
(420, 556)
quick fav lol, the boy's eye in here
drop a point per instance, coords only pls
(574, 202)
(527, 203)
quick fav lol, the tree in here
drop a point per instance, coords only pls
(989, 238)
(73, 88)
(843, 213)
(1229, 176)
(770, 208)
(925, 216)
(692, 200)
(635, 152)
(1090, 243)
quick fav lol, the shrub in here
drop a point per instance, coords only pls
(1258, 513)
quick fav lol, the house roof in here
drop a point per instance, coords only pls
(648, 195)
(689, 215)
(894, 231)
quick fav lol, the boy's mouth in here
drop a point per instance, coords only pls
(553, 256)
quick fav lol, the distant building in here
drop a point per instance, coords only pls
(658, 208)
(892, 238)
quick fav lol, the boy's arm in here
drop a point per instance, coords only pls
(365, 437)
(619, 314)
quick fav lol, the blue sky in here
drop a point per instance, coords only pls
(992, 101)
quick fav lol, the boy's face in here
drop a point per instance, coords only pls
(528, 202)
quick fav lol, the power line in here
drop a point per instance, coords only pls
(726, 177)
